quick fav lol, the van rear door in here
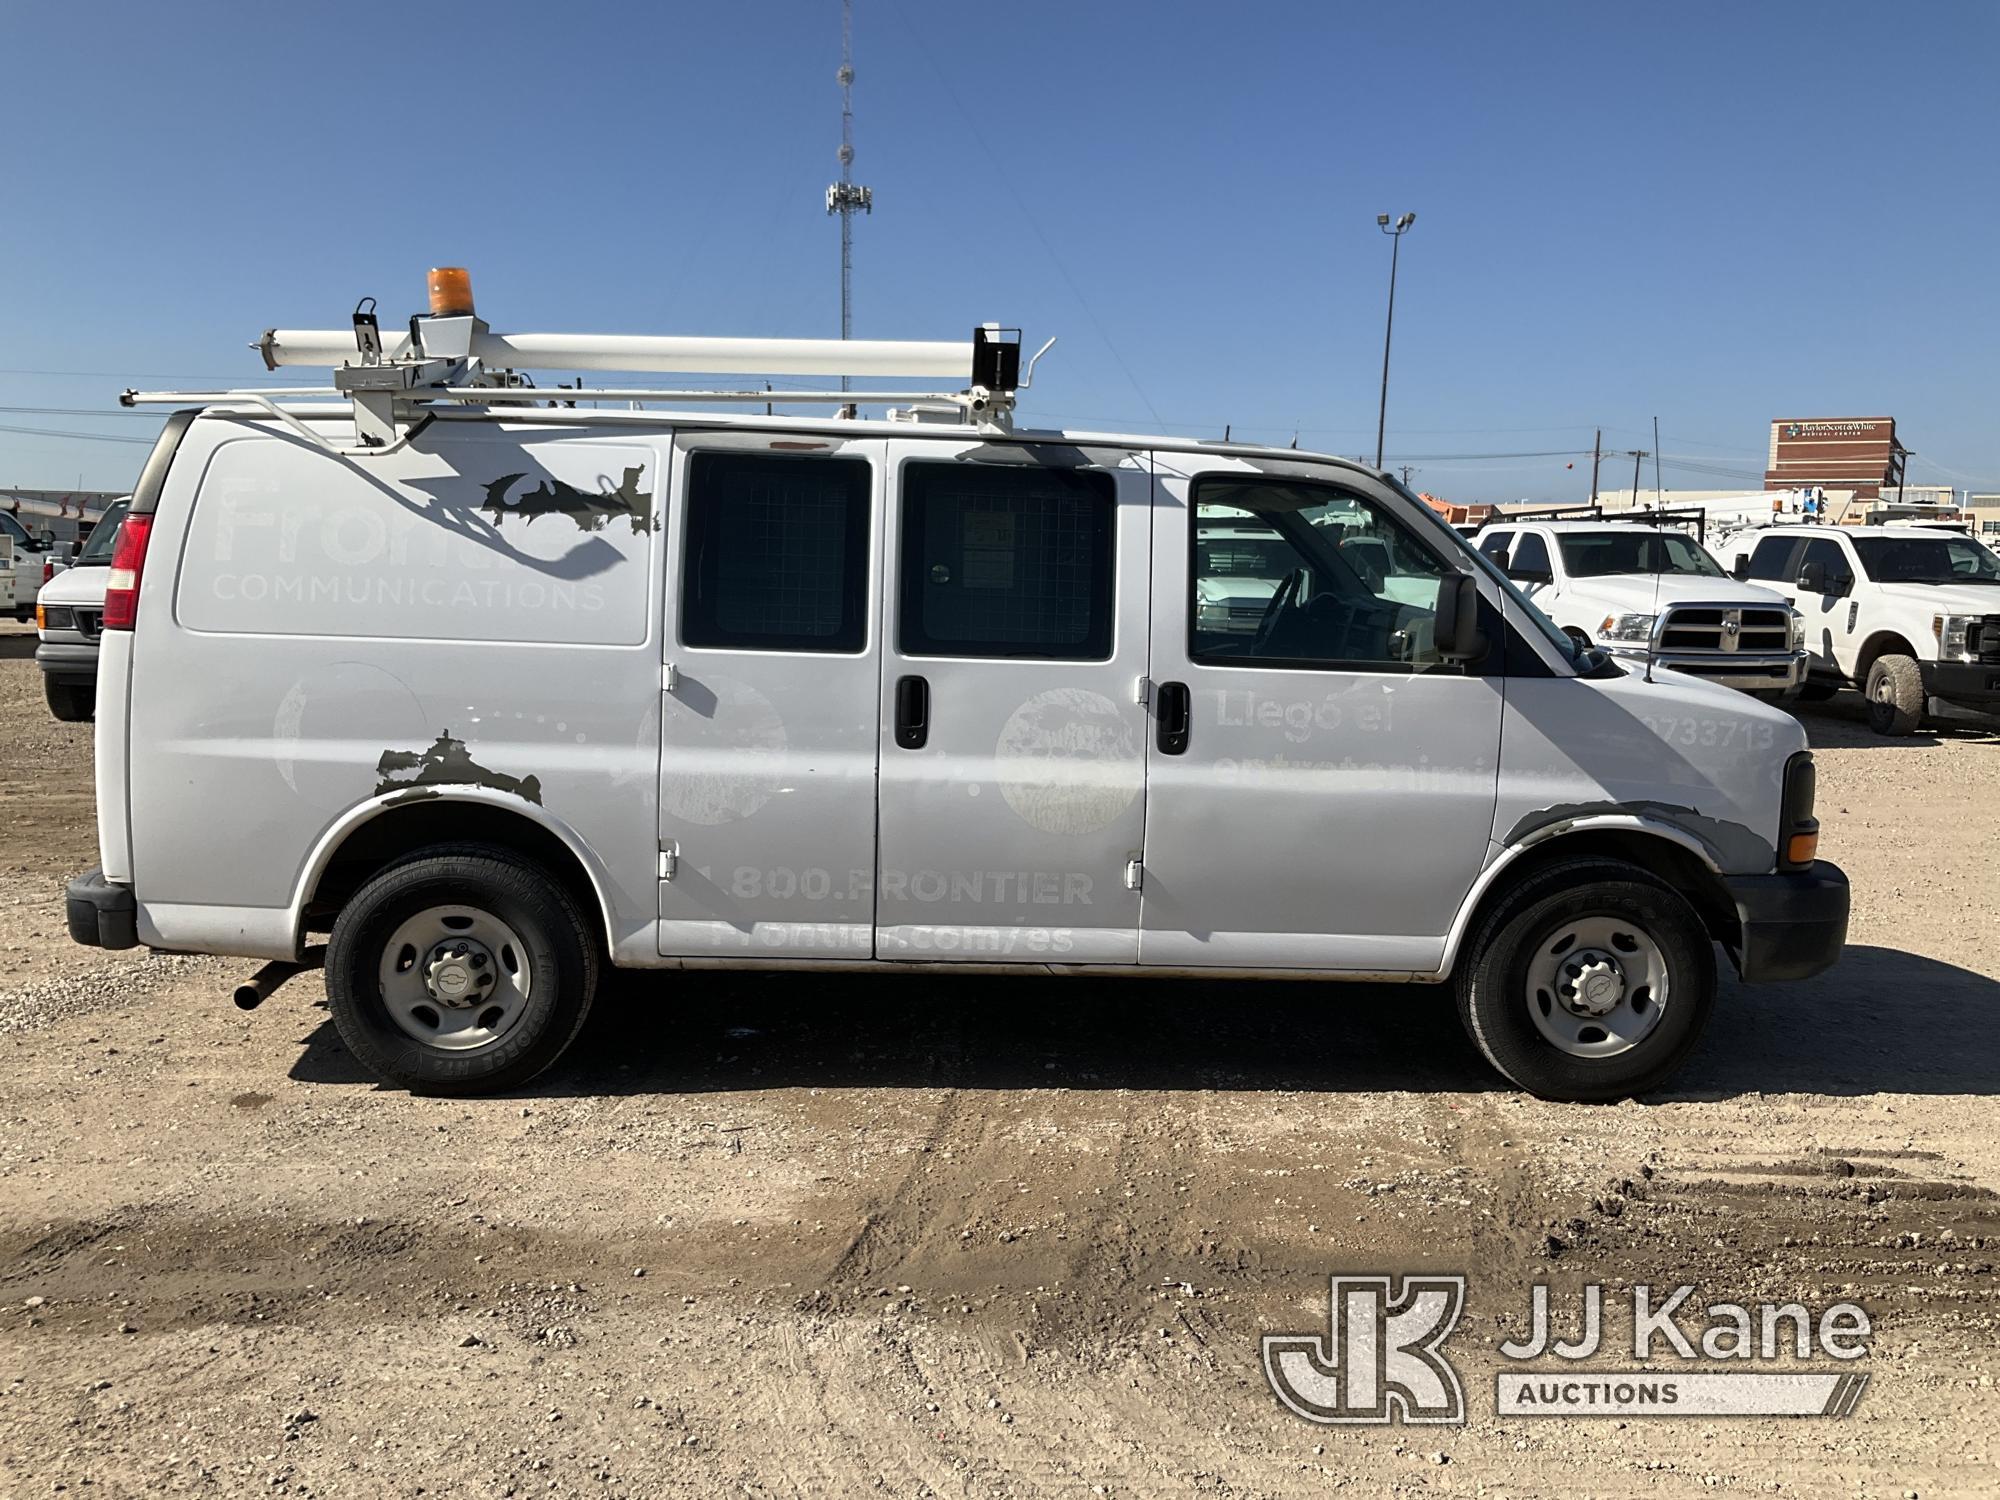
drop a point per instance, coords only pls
(769, 687)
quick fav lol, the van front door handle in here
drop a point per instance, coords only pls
(1174, 709)
(913, 712)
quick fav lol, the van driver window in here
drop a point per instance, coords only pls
(1305, 575)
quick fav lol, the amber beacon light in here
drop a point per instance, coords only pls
(451, 292)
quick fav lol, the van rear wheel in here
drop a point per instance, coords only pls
(463, 969)
(1590, 982)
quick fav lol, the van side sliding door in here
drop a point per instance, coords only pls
(768, 694)
(1013, 762)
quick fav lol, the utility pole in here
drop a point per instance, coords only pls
(846, 195)
(1395, 232)
(1635, 454)
(1407, 471)
(1596, 457)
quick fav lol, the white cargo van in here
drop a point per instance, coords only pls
(495, 689)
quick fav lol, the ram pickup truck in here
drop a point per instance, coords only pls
(1908, 614)
(1640, 591)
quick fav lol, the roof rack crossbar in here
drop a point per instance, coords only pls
(670, 354)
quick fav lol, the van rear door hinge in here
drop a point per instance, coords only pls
(670, 861)
(669, 678)
(1142, 691)
(1135, 874)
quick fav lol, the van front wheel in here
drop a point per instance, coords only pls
(1590, 982)
(461, 970)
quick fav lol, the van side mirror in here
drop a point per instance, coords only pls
(1740, 569)
(1812, 578)
(1456, 629)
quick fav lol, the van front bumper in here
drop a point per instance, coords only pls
(1792, 924)
(67, 661)
(102, 913)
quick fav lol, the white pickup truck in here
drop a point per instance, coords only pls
(1908, 614)
(1638, 589)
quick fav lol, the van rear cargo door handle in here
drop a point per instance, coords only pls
(913, 712)
(1173, 708)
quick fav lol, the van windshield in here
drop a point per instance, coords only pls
(1598, 554)
(1553, 633)
(103, 537)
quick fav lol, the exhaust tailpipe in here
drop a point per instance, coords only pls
(260, 986)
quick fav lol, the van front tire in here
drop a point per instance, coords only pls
(71, 702)
(461, 970)
(1591, 982)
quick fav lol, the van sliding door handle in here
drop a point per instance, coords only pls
(913, 712)
(1173, 706)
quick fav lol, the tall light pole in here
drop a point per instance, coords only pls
(1395, 231)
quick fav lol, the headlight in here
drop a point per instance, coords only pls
(1212, 613)
(1950, 631)
(1626, 628)
(1798, 636)
(54, 617)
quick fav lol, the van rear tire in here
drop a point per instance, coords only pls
(1574, 938)
(463, 969)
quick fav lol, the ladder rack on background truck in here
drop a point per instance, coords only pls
(1685, 516)
(451, 357)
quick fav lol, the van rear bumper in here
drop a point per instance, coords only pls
(1793, 924)
(102, 914)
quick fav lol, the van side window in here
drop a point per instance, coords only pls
(1307, 575)
(1769, 560)
(1006, 560)
(777, 553)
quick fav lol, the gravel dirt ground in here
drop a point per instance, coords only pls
(828, 1236)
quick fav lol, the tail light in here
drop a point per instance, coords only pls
(128, 565)
(48, 569)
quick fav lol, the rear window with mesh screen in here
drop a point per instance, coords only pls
(777, 553)
(1005, 560)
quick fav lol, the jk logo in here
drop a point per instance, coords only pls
(1379, 1361)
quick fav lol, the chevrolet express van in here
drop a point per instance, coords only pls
(487, 691)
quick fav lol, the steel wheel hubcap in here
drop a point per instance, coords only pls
(1597, 986)
(455, 977)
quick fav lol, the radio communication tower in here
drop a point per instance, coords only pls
(846, 195)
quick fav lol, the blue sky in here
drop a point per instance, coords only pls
(1712, 213)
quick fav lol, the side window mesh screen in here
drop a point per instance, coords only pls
(1006, 561)
(777, 553)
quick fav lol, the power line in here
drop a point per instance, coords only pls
(80, 437)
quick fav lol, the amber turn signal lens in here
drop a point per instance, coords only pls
(1801, 848)
(451, 292)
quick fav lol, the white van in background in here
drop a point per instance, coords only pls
(490, 689)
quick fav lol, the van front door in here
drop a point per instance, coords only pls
(1320, 784)
(768, 718)
(1012, 734)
